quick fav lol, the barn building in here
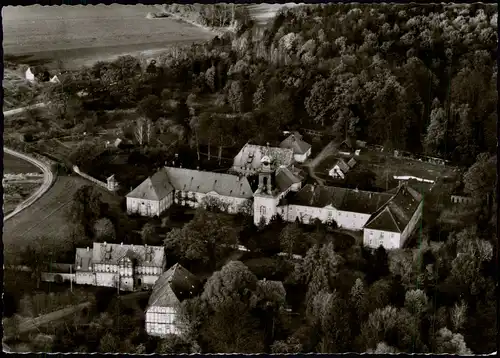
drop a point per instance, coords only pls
(173, 286)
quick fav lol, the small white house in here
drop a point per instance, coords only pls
(339, 170)
(173, 286)
(30, 76)
(301, 149)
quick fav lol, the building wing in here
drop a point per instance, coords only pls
(250, 156)
(205, 182)
(155, 187)
(294, 142)
(104, 253)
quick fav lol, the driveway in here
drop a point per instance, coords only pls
(48, 179)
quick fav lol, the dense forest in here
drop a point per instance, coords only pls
(420, 78)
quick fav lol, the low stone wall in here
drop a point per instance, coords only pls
(88, 177)
(57, 277)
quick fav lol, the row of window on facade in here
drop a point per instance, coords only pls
(115, 268)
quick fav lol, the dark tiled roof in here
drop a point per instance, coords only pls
(285, 179)
(341, 198)
(156, 187)
(295, 143)
(153, 256)
(173, 286)
(351, 163)
(401, 208)
(343, 165)
(205, 182)
(250, 156)
(384, 221)
(83, 258)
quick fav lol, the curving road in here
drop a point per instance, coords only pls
(48, 178)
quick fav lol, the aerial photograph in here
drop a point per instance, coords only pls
(250, 178)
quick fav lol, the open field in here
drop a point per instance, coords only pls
(46, 218)
(79, 35)
(263, 13)
(14, 165)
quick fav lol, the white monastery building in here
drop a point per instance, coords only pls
(386, 219)
(127, 267)
(301, 150)
(188, 187)
(174, 286)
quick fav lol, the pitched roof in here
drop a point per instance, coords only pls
(343, 165)
(401, 208)
(249, 157)
(83, 258)
(346, 145)
(173, 286)
(285, 178)
(205, 182)
(294, 141)
(343, 199)
(153, 188)
(352, 162)
(383, 220)
(153, 256)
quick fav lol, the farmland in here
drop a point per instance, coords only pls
(85, 34)
(46, 218)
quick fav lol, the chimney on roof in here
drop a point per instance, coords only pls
(88, 249)
(104, 243)
(197, 167)
(121, 243)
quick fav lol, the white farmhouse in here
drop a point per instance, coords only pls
(127, 267)
(170, 290)
(339, 170)
(248, 160)
(301, 149)
(188, 187)
(30, 76)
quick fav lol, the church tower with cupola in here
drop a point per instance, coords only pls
(266, 197)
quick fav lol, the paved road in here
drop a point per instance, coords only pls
(22, 109)
(48, 178)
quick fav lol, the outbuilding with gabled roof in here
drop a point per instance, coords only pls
(174, 286)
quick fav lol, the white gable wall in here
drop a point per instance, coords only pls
(374, 238)
(156, 207)
(161, 321)
(335, 172)
(301, 158)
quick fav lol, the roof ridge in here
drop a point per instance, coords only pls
(393, 219)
